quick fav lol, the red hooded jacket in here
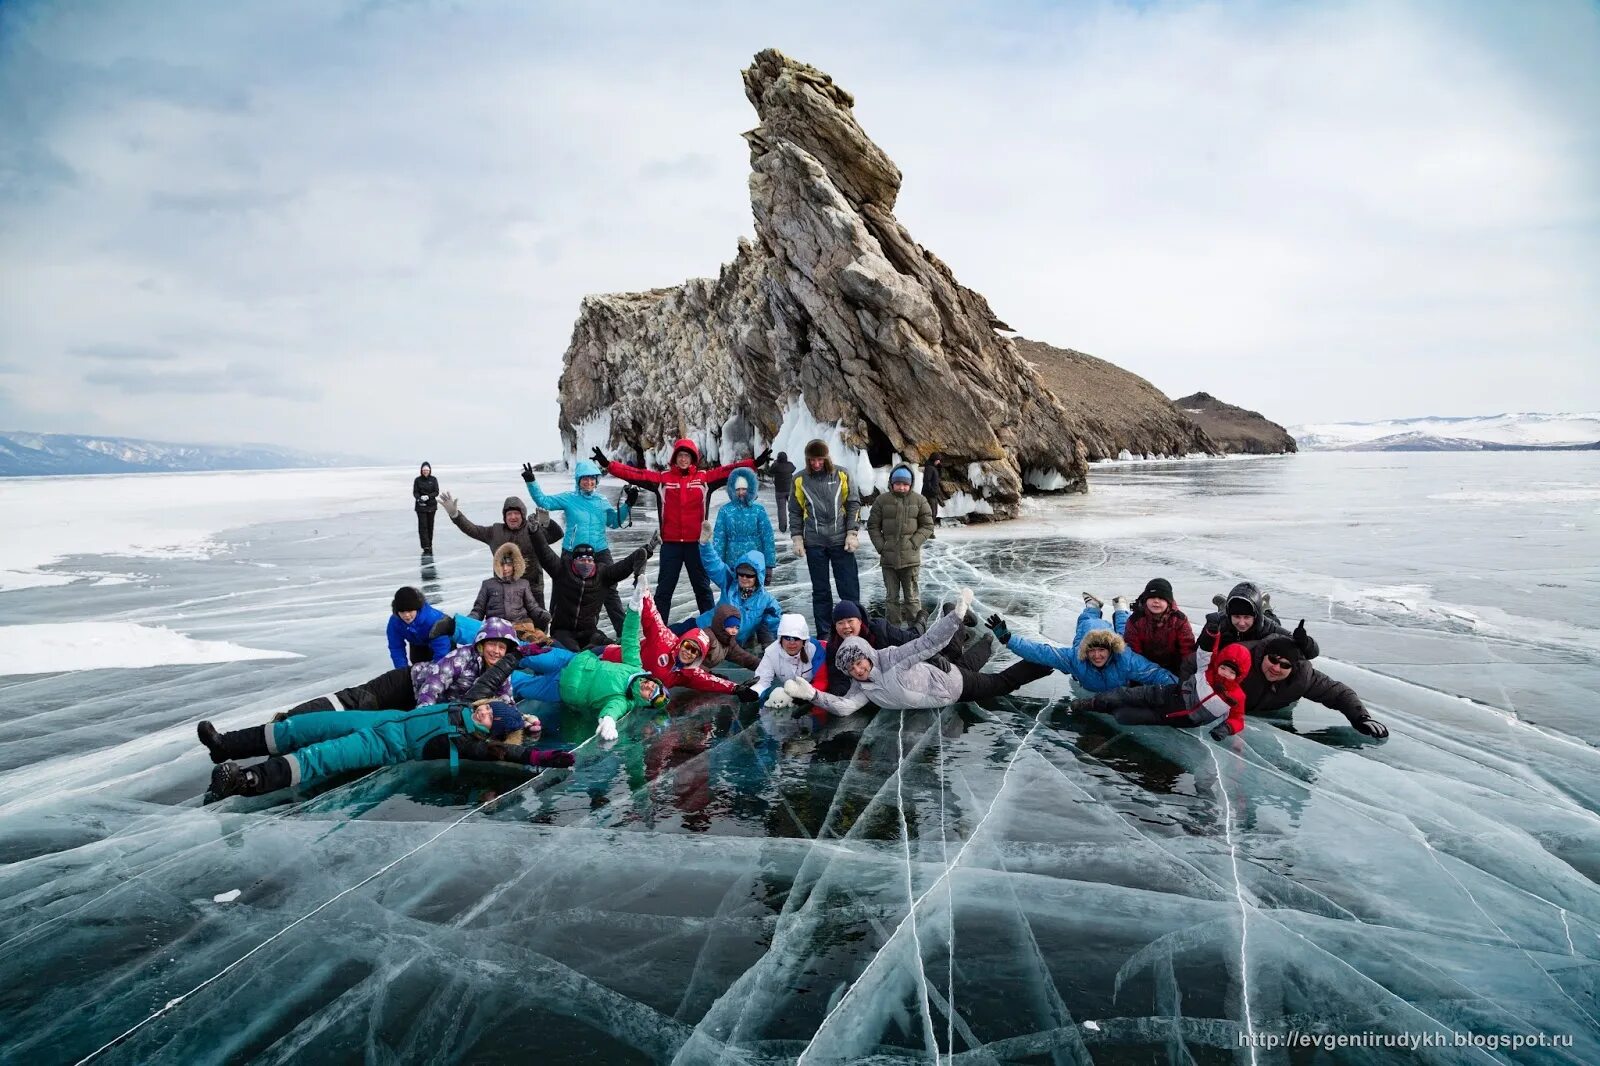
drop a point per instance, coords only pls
(658, 652)
(684, 495)
(1229, 693)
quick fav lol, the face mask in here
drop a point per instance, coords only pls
(584, 567)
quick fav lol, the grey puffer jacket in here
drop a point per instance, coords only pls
(900, 523)
(901, 679)
(512, 600)
(824, 507)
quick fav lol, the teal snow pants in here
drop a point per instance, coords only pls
(324, 743)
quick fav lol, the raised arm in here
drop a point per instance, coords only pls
(716, 569)
(637, 475)
(548, 559)
(558, 502)
(937, 636)
(630, 638)
(1045, 653)
(718, 474)
(624, 567)
(469, 527)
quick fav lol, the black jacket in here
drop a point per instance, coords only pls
(782, 473)
(575, 603)
(932, 481)
(425, 492)
(1264, 626)
(1304, 682)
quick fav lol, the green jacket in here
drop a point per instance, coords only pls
(898, 526)
(611, 690)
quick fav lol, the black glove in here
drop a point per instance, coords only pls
(801, 710)
(600, 457)
(1084, 703)
(489, 682)
(1222, 730)
(1302, 639)
(747, 694)
(527, 471)
(1373, 728)
(764, 458)
(652, 544)
(998, 627)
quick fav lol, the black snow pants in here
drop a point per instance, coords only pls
(977, 686)
(389, 691)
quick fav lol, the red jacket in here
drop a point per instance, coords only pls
(1229, 693)
(684, 496)
(1166, 640)
(658, 652)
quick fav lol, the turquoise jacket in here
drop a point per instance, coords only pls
(759, 613)
(586, 511)
(744, 527)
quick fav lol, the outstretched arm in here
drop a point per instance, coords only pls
(558, 502)
(851, 702)
(1336, 694)
(469, 527)
(1045, 653)
(702, 680)
(716, 569)
(937, 636)
(635, 474)
(548, 559)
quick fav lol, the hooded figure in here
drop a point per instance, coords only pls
(758, 611)
(515, 529)
(1166, 639)
(793, 654)
(610, 690)
(724, 633)
(589, 515)
(425, 499)
(410, 629)
(507, 594)
(579, 583)
(933, 482)
(742, 524)
(782, 471)
(1213, 696)
(664, 654)
(1244, 599)
(1099, 660)
(685, 493)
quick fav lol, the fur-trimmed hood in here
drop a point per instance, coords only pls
(509, 550)
(746, 477)
(1108, 639)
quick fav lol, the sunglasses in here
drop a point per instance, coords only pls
(1279, 661)
(797, 640)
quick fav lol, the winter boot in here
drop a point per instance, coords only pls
(231, 779)
(1091, 600)
(239, 744)
(1118, 603)
(444, 627)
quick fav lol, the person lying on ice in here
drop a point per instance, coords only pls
(901, 678)
(1102, 660)
(851, 620)
(1280, 674)
(579, 584)
(410, 629)
(450, 678)
(742, 585)
(308, 748)
(1245, 618)
(1212, 696)
(726, 621)
(793, 655)
(507, 594)
(677, 661)
(1159, 631)
(585, 683)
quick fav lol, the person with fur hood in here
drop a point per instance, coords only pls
(1212, 696)
(903, 678)
(677, 661)
(1245, 617)
(900, 524)
(1159, 631)
(742, 586)
(513, 527)
(726, 621)
(578, 588)
(307, 749)
(1099, 659)
(743, 526)
(507, 594)
(442, 681)
(589, 516)
(824, 512)
(794, 655)
(684, 490)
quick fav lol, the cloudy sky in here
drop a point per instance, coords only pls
(367, 227)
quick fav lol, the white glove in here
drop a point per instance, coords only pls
(449, 502)
(640, 594)
(705, 532)
(797, 544)
(779, 700)
(851, 539)
(963, 601)
(800, 688)
(607, 730)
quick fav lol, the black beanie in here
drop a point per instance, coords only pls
(1159, 587)
(1282, 646)
(407, 599)
(816, 449)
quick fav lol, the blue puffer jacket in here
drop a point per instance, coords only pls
(744, 527)
(758, 612)
(401, 636)
(1125, 665)
(586, 511)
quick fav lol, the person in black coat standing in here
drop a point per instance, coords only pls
(782, 473)
(932, 486)
(425, 495)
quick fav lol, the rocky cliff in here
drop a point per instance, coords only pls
(1233, 428)
(832, 323)
(1112, 410)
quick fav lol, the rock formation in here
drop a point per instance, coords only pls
(1111, 410)
(1236, 430)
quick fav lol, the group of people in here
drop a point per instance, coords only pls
(456, 679)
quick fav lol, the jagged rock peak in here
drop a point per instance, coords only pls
(834, 322)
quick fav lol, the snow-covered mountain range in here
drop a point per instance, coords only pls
(24, 454)
(1505, 432)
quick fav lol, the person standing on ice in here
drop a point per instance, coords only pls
(743, 526)
(1099, 659)
(900, 523)
(1212, 696)
(902, 678)
(782, 472)
(588, 518)
(823, 517)
(1156, 629)
(684, 490)
(933, 482)
(513, 527)
(1245, 616)
(410, 629)
(425, 500)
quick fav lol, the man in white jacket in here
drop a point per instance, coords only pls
(901, 678)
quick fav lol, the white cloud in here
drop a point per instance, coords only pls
(369, 229)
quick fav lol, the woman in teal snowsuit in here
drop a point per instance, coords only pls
(742, 524)
(588, 518)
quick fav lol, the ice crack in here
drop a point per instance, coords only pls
(1244, 910)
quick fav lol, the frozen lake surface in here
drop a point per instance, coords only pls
(984, 885)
